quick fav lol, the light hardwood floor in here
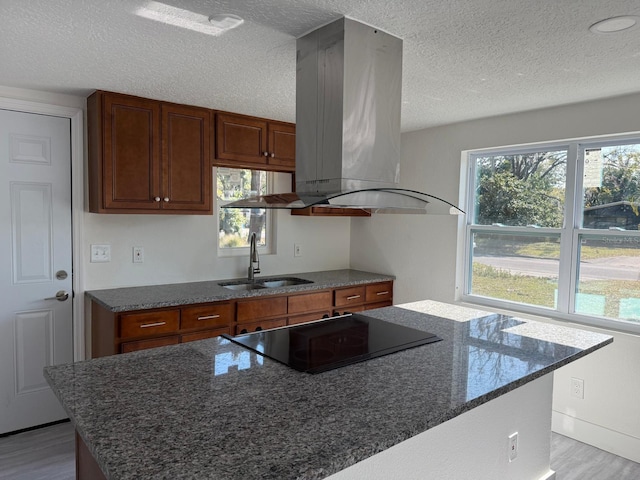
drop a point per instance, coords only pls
(48, 454)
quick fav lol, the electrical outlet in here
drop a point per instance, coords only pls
(138, 254)
(513, 446)
(100, 253)
(577, 387)
(297, 250)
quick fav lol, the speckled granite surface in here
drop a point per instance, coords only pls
(156, 296)
(213, 410)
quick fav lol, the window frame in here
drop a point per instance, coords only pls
(569, 233)
(269, 248)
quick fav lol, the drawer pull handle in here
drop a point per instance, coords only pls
(383, 293)
(208, 317)
(353, 297)
(157, 324)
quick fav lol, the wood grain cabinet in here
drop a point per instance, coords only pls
(307, 307)
(331, 212)
(124, 332)
(147, 156)
(363, 297)
(243, 141)
(261, 314)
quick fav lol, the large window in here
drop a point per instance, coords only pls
(235, 225)
(557, 228)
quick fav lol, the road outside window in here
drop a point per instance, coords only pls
(557, 228)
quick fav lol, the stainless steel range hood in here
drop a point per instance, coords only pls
(348, 101)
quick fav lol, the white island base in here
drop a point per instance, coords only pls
(475, 444)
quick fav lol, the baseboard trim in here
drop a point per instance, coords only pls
(550, 475)
(610, 441)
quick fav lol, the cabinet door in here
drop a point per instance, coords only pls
(192, 337)
(151, 343)
(130, 173)
(282, 145)
(241, 139)
(261, 325)
(186, 158)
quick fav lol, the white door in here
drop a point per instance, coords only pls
(35, 264)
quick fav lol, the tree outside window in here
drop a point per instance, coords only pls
(531, 245)
(236, 224)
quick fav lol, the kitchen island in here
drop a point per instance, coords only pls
(213, 410)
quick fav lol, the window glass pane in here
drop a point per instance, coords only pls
(611, 187)
(517, 268)
(608, 283)
(521, 189)
(237, 224)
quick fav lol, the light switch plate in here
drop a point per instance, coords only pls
(100, 253)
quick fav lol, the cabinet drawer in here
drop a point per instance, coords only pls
(309, 302)
(190, 337)
(151, 343)
(207, 316)
(147, 324)
(263, 325)
(308, 317)
(379, 292)
(252, 310)
(349, 296)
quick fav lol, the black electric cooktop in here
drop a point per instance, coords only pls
(332, 343)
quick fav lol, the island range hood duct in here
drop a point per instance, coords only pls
(348, 101)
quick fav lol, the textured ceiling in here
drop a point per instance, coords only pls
(463, 59)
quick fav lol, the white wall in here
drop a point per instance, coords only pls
(473, 445)
(421, 252)
(182, 248)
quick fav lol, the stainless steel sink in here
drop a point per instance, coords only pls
(259, 283)
(283, 282)
(242, 286)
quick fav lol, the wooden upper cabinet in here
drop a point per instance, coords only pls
(186, 158)
(124, 152)
(250, 142)
(282, 145)
(147, 156)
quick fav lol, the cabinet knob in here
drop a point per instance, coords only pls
(266, 154)
(273, 155)
(157, 199)
(166, 199)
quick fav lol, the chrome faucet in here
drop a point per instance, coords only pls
(253, 257)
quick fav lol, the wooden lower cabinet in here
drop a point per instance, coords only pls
(113, 333)
(260, 325)
(308, 317)
(364, 297)
(127, 347)
(124, 332)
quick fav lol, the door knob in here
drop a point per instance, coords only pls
(61, 296)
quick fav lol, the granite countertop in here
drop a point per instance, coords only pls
(175, 294)
(213, 410)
